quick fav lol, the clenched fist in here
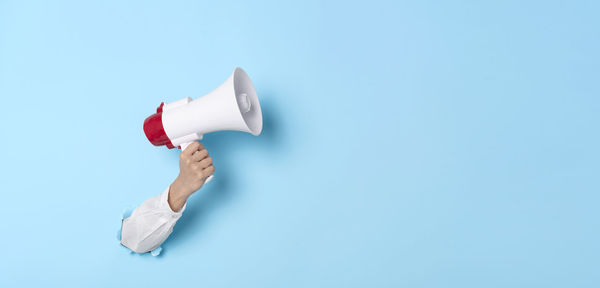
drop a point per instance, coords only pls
(194, 167)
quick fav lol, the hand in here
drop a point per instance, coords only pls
(194, 167)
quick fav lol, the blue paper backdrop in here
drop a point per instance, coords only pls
(405, 144)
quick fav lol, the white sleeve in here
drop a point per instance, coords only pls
(150, 224)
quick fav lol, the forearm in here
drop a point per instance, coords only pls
(178, 195)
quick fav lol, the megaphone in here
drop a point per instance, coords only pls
(232, 106)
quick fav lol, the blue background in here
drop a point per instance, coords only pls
(405, 144)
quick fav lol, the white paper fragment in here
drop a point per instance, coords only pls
(156, 251)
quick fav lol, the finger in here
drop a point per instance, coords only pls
(206, 162)
(195, 146)
(200, 155)
(208, 170)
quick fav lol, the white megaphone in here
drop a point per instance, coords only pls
(232, 106)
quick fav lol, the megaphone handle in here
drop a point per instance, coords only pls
(185, 145)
